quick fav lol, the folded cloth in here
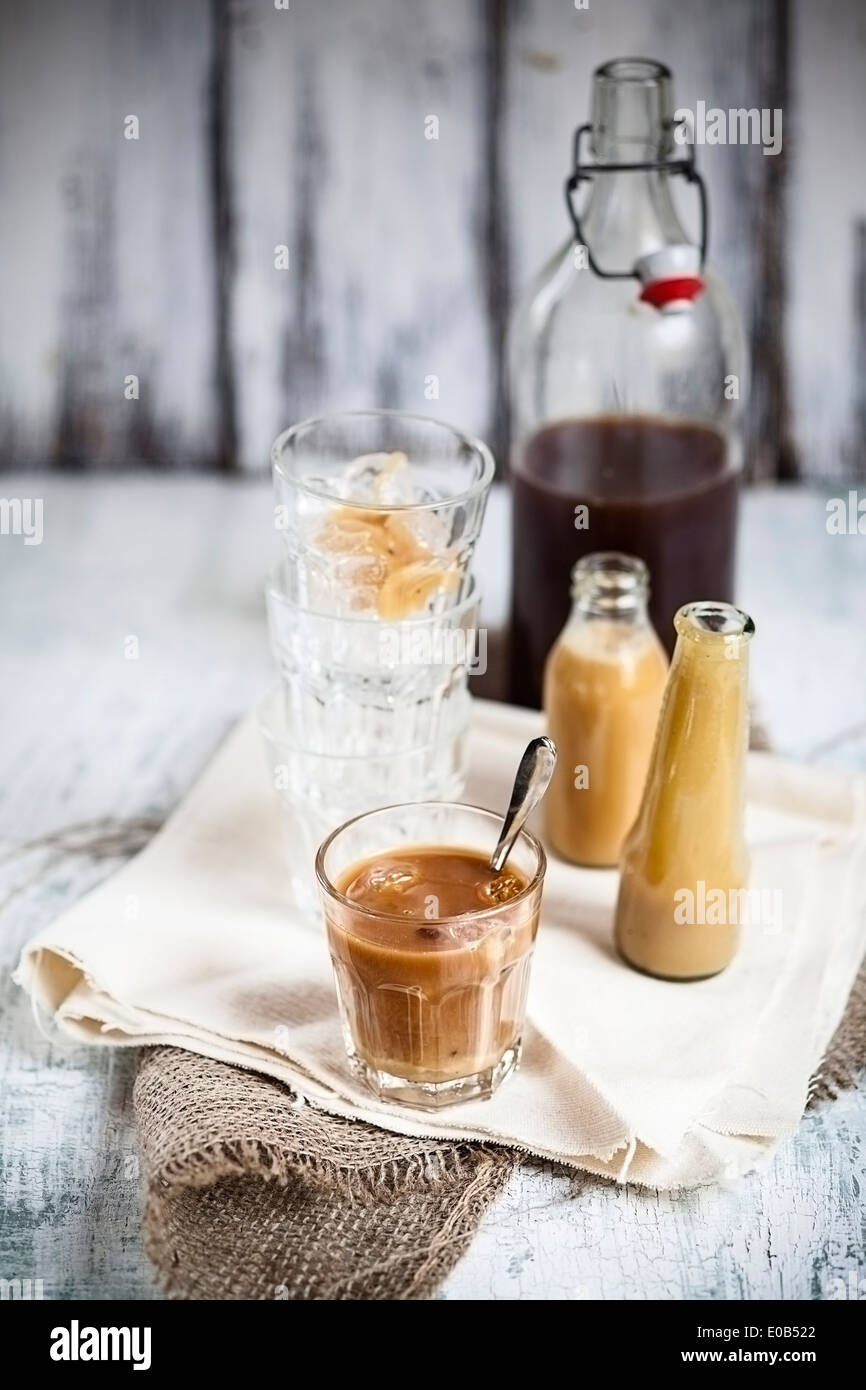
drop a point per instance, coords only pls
(195, 944)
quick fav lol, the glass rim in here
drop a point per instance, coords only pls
(633, 69)
(481, 485)
(472, 597)
(692, 621)
(617, 561)
(482, 914)
(617, 577)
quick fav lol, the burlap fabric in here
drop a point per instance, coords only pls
(253, 1194)
(845, 1058)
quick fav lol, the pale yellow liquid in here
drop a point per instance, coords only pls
(690, 826)
(603, 687)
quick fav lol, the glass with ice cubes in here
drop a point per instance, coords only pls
(379, 512)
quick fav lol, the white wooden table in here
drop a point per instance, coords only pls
(87, 732)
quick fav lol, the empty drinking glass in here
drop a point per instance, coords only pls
(319, 790)
(355, 686)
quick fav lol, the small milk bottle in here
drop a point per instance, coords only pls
(603, 686)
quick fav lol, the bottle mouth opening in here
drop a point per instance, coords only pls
(631, 110)
(632, 70)
(611, 580)
(706, 620)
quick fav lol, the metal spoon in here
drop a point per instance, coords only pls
(531, 782)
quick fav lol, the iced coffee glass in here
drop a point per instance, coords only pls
(431, 949)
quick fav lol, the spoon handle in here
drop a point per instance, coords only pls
(533, 776)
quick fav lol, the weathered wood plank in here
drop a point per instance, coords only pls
(780, 1235)
(305, 128)
(826, 323)
(106, 260)
(358, 144)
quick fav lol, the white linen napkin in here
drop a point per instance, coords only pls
(195, 943)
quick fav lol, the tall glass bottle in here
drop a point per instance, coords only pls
(627, 373)
(685, 863)
(603, 685)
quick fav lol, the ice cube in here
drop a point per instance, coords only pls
(331, 485)
(393, 877)
(394, 485)
(466, 931)
(427, 530)
(349, 533)
(382, 478)
(499, 889)
(408, 563)
(364, 571)
(408, 588)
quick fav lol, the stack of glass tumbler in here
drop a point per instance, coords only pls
(373, 617)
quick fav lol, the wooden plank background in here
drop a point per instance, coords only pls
(306, 128)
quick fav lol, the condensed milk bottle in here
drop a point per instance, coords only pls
(603, 686)
(685, 863)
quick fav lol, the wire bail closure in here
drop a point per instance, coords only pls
(584, 173)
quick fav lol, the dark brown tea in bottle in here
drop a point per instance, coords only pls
(660, 490)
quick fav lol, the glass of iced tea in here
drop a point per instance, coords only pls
(431, 948)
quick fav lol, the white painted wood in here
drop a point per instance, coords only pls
(827, 201)
(87, 733)
(788, 1234)
(404, 252)
(105, 243)
(329, 157)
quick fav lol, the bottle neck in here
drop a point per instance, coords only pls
(697, 774)
(629, 215)
(610, 585)
(590, 607)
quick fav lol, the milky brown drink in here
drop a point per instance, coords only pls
(603, 686)
(433, 988)
(662, 491)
